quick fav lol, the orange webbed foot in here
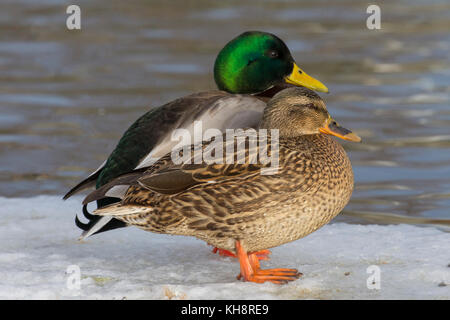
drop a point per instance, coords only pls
(251, 271)
(275, 275)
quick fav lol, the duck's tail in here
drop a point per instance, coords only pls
(96, 224)
(104, 215)
(118, 210)
(123, 213)
(97, 227)
(106, 196)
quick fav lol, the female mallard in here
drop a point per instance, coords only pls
(255, 63)
(234, 206)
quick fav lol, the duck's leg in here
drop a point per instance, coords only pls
(223, 252)
(262, 255)
(251, 271)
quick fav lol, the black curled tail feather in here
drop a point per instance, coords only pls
(93, 219)
(89, 216)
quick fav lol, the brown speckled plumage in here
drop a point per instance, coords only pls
(225, 203)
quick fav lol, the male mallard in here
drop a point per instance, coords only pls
(237, 207)
(256, 64)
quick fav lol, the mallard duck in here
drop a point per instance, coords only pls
(236, 207)
(248, 71)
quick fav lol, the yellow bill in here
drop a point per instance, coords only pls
(300, 78)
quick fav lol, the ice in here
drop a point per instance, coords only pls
(40, 256)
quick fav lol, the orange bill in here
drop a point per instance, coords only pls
(333, 128)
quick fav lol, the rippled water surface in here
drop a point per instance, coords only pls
(66, 97)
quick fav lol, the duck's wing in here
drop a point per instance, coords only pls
(221, 111)
(150, 137)
(209, 190)
(165, 177)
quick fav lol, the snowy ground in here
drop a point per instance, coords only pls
(39, 252)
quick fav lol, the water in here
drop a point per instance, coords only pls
(66, 97)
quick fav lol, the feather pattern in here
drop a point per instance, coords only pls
(223, 202)
(149, 137)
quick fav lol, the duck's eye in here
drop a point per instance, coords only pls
(273, 54)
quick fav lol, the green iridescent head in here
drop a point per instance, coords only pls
(255, 61)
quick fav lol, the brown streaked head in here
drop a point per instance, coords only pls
(299, 111)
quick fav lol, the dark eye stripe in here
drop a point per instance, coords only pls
(315, 108)
(312, 106)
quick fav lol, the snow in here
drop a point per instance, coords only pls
(40, 257)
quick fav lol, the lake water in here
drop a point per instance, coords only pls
(66, 97)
